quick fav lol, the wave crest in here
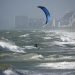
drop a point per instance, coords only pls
(10, 47)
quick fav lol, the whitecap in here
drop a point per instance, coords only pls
(65, 39)
(37, 57)
(11, 47)
(58, 65)
(29, 56)
(64, 43)
(59, 57)
(67, 36)
(47, 38)
(10, 72)
(29, 47)
(25, 35)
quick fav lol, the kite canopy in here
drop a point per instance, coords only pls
(46, 13)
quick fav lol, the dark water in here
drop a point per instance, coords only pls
(54, 54)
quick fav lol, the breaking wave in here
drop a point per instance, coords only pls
(59, 57)
(58, 65)
(29, 47)
(25, 35)
(47, 38)
(21, 57)
(36, 72)
(4, 45)
(10, 72)
(32, 56)
(65, 39)
(69, 44)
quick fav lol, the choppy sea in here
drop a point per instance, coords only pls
(54, 54)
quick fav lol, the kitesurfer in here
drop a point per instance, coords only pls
(35, 45)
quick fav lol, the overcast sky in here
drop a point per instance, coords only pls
(11, 8)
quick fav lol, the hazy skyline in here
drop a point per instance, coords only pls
(11, 8)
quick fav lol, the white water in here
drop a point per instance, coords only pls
(25, 35)
(31, 72)
(47, 38)
(58, 65)
(11, 47)
(37, 57)
(9, 72)
(29, 47)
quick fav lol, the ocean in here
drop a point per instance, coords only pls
(54, 54)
